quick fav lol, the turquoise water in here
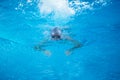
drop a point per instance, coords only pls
(25, 23)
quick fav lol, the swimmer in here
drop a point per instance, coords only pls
(56, 34)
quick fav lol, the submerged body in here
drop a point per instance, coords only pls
(56, 34)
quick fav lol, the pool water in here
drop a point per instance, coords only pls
(94, 23)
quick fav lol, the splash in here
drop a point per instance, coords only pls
(60, 11)
(57, 10)
(82, 6)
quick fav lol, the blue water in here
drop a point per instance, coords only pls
(22, 29)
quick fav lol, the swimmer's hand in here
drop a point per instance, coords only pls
(68, 52)
(47, 52)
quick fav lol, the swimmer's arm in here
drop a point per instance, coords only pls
(75, 43)
(39, 47)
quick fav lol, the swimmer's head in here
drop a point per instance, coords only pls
(56, 33)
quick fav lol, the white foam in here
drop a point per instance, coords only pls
(29, 1)
(59, 9)
(80, 6)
